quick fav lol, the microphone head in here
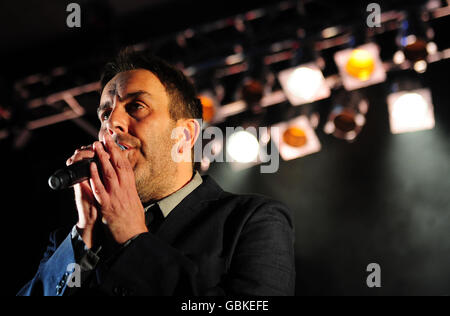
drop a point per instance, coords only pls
(71, 175)
(54, 182)
(59, 180)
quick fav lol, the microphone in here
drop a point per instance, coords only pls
(73, 174)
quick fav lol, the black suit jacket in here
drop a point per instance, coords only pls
(212, 243)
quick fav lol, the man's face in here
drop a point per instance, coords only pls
(134, 109)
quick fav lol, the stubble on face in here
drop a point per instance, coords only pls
(156, 177)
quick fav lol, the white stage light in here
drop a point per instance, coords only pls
(410, 111)
(399, 57)
(304, 84)
(243, 147)
(420, 66)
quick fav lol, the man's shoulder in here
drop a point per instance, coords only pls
(243, 203)
(252, 201)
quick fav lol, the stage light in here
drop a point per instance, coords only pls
(432, 48)
(295, 138)
(243, 147)
(330, 32)
(399, 57)
(347, 116)
(415, 49)
(360, 67)
(414, 40)
(304, 84)
(360, 64)
(306, 78)
(208, 105)
(252, 92)
(410, 111)
(417, 53)
(420, 66)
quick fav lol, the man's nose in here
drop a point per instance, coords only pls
(118, 121)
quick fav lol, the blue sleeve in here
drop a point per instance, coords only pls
(52, 275)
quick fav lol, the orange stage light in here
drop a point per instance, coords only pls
(295, 136)
(208, 108)
(361, 64)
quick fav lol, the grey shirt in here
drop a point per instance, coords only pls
(88, 258)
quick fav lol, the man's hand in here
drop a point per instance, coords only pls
(87, 206)
(116, 192)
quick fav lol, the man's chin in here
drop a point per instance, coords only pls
(131, 156)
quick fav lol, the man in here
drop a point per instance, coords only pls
(149, 224)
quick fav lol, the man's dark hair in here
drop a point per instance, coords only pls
(183, 101)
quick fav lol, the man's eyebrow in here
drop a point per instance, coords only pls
(135, 94)
(130, 95)
(103, 106)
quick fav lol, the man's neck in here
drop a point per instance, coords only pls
(183, 178)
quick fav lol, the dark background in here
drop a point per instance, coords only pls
(384, 198)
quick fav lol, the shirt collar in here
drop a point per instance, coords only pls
(168, 203)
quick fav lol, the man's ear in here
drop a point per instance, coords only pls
(191, 130)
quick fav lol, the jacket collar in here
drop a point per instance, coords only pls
(209, 190)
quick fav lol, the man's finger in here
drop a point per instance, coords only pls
(80, 154)
(98, 189)
(109, 173)
(118, 159)
(85, 188)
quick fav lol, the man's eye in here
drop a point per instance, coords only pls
(136, 109)
(137, 106)
(105, 115)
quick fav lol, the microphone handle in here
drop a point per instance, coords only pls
(71, 175)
